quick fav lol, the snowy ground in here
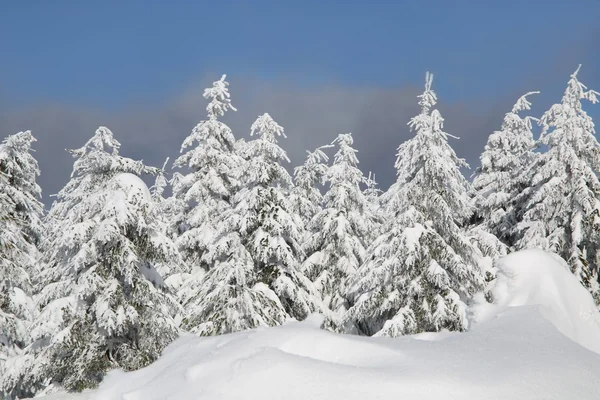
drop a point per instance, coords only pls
(541, 340)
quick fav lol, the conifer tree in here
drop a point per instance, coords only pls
(167, 209)
(337, 243)
(419, 272)
(206, 191)
(102, 303)
(254, 278)
(306, 197)
(20, 232)
(559, 210)
(508, 153)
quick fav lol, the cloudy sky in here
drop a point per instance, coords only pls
(320, 68)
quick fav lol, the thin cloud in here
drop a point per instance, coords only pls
(312, 116)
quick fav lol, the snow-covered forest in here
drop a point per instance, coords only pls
(231, 237)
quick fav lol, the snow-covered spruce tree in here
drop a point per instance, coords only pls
(559, 210)
(20, 232)
(102, 303)
(168, 209)
(336, 247)
(207, 190)
(419, 272)
(307, 199)
(253, 277)
(507, 155)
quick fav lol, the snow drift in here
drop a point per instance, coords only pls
(537, 278)
(536, 342)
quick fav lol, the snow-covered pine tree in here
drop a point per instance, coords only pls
(101, 298)
(254, 278)
(337, 247)
(419, 272)
(559, 210)
(307, 199)
(507, 155)
(206, 191)
(168, 209)
(20, 232)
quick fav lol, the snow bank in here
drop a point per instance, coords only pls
(537, 278)
(514, 351)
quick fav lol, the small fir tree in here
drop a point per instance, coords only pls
(507, 155)
(307, 199)
(337, 245)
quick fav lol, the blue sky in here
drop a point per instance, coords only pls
(109, 52)
(106, 56)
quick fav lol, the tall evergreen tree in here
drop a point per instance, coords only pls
(20, 232)
(337, 244)
(207, 190)
(419, 272)
(306, 197)
(559, 210)
(102, 303)
(254, 278)
(508, 153)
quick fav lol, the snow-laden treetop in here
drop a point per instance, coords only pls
(427, 168)
(19, 165)
(267, 128)
(427, 122)
(220, 102)
(428, 99)
(265, 154)
(21, 141)
(103, 139)
(569, 119)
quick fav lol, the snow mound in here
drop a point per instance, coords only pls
(514, 351)
(537, 278)
(133, 186)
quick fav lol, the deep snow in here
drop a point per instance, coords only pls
(538, 341)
